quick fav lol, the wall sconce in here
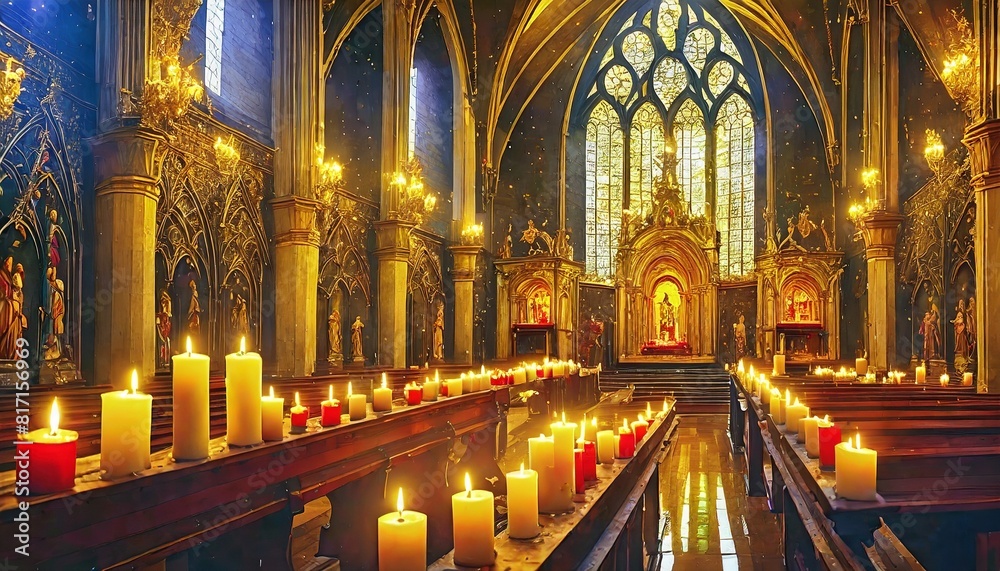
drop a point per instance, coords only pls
(168, 97)
(415, 204)
(10, 88)
(934, 152)
(870, 179)
(472, 235)
(227, 156)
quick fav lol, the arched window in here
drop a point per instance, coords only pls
(214, 26)
(671, 75)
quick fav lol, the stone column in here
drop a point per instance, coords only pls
(880, 230)
(297, 129)
(127, 167)
(393, 253)
(464, 275)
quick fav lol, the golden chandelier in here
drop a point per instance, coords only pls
(167, 98)
(10, 88)
(415, 204)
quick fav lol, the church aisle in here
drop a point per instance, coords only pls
(708, 522)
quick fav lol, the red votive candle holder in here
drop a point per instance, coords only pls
(626, 443)
(540, 372)
(330, 413)
(443, 389)
(639, 429)
(578, 472)
(50, 460)
(300, 416)
(589, 460)
(829, 437)
(414, 394)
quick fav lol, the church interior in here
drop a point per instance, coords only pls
(499, 284)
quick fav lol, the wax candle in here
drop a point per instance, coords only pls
(580, 485)
(300, 416)
(190, 406)
(626, 441)
(945, 379)
(430, 390)
(414, 394)
(541, 459)
(546, 369)
(382, 400)
(564, 439)
(243, 391)
(520, 376)
(640, 427)
(861, 366)
(856, 470)
(589, 459)
(531, 372)
(51, 454)
(809, 435)
(402, 539)
(272, 411)
(776, 405)
(330, 410)
(606, 446)
(740, 369)
(357, 405)
(454, 387)
(921, 374)
(472, 526)
(829, 438)
(967, 379)
(559, 369)
(779, 365)
(522, 504)
(794, 414)
(126, 420)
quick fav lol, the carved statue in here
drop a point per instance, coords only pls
(768, 215)
(53, 316)
(970, 326)
(929, 328)
(532, 236)
(164, 326)
(357, 340)
(805, 226)
(740, 337)
(668, 202)
(194, 309)
(12, 318)
(563, 245)
(506, 249)
(334, 335)
(668, 320)
(439, 333)
(239, 320)
(961, 333)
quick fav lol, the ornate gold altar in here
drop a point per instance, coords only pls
(537, 293)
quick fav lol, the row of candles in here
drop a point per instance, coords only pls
(560, 466)
(860, 373)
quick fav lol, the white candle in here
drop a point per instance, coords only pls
(564, 442)
(541, 459)
(402, 539)
(357, 405)
(430, 389)
(382, 400)
(793, 414)
(921, 375)
(945, 379)
(190, 407)
(454, 387)
(531, 372)
(809, 435)
(126, 421)
(522, 504)
(967, 379)
(606, 446)
(468, 383)
(779, 364)
(861, 366)
(856, 471)
(547, 369)
(243, 390)
(472, 526)
(559, 369)
(777, 406)
(520, 376)
(272, 412)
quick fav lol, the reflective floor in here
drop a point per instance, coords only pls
(708, 522)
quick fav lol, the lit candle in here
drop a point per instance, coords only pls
(626, 441)
(522, 504)
(945, 379)
(776, 406)
(541, 459)
(829, 438)
(921, 374)
(126, 420)
(579, 482)
(468, 383)
(431, 389)
(861, 366)
(520, 376)
(272, 411)
(810, 434)
(190, 406)
(51, 454)
(967, 379)
(454, 387)
(357, 405)
(740, 369)
(382, 400)
(243, 391)
(414, 393)
(589, 459)
(564, 438)
(779, 365)
(300, 416)
(472, 526)
(649, 411)
(546, 369)
(531, 372)
(640, 427)
(793, 415)
(606, 446)
(330, 410)
(402, 539)
(559, 369)
(856, 470)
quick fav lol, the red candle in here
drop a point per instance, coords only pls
(640, 427)
(443, 388)
(829, 438)
(540, 372)
(300, 416)
(330, 410)
(414, 394)
(578, 472)
(589, 459)
(49, 456)
(626, 442)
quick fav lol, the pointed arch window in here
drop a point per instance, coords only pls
(215, 20)
(672, 75)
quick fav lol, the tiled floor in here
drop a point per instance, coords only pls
(708, 522)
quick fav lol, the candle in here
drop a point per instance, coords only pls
(829, 438)
(414, 394)
(626, 441)
(330, 410)
(564, 439)
(472, 526)
(454, 387)
(522, 504)
(740, 369)
(531, 373)
(649, 411)
(272, 411)
(793, 414)
(589, 459)
(357, 405)
(190, 405)
(967, 379)
(856, 469)
(945, 379)
(126, 420)
(776, 406)
(300, 416)
(861, 366)
(810, 434)
(468, 381)
(580, 485)
(546, 369)
(779, 365)
(520, 376)
(51, 455)
(640, 427)
(606, 446)
(382, 400)
(243, 390)
(559, 369)
(431, 390)
(921, 374)
(541, 458)
(402, 539)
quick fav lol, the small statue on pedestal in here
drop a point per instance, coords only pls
(335, 337)
(357, 349)
(439, 333)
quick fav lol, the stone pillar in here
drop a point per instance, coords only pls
(393, 253)
(880, 229)
(297, 129)
(127, 167)
(464, 275)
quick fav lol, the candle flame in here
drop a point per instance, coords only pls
(796, 402)
(522, 467)
(383, 380)
(564, 417)
(482, 369)
(243, 345)
(272, 390)
(642, 418)
(54, 417)
(350, 391)
(858, 436)
(297, 403)
(189, 345)
(625, 424)
(135, 381)
(593, 422)
(437, 377)
(399, 503)
(330, 394)
(468, 484)
(826, 418)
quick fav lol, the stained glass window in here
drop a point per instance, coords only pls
(671, 72)
(214, 24)
(413, 112)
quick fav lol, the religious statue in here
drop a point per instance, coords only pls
(357, 340)
(770, 245)
(506, 249)
(562, 245)
(668, 320)
(538, 241)
(439, 333)
(970, 326)
(54, 230)
(961, 334)
(740, 337)
(12, 319)
(164, 326)
(929, 328)
(194, 309)
(334, 335)
(239, 320)
(53, 315)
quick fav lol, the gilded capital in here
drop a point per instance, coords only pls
(983, 142)
(295, 221)
(131, 155)
(880, 230)
(392, 239)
